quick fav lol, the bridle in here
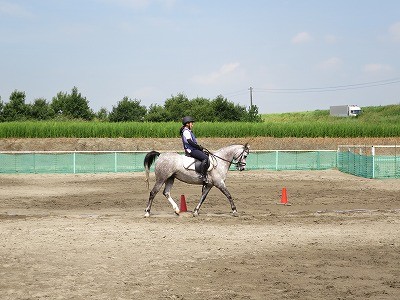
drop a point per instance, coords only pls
(237, 161)
(242, 156)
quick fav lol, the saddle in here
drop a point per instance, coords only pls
(190, 163)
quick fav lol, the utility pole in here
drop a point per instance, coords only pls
(251, 97)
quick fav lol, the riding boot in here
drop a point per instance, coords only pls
(204, 168)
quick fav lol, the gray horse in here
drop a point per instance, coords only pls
(171, 165)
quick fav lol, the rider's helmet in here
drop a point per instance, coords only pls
(187, 119)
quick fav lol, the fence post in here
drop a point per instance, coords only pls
(373, 161)
(34, 162)
(276, 159)
(337, 159)
(74, 161)
(115, 162)
(395, 161)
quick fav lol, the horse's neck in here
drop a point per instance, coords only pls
(227, 152)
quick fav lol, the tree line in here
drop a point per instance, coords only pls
(74, 106)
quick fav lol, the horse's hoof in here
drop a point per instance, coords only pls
(177, 211)
(195, 213)
(235, 213)
(147, 214)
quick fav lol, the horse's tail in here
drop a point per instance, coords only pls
(148, 161)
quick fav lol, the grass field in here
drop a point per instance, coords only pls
(382, 121)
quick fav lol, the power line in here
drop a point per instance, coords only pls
(237, 93)
(314, 89)
(331, 88)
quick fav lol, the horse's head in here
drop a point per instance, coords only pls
(240, 157)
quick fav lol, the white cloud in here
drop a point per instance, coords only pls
(15, 10)
(375, 68)
(214, 77)
(394, 32)
(302, 37)
(332, 63)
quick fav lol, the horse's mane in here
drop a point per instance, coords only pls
(245, 146)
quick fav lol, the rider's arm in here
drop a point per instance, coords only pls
(193, 144)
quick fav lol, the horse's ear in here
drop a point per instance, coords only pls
(247, 146)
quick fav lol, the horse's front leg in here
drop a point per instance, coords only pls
(225, 191)
(206, 189)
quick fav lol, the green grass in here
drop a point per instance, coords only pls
(381, 121)
(81, 129)
(377, 114)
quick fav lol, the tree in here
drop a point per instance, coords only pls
(41, 110)
(16, 109)
(102, 114)
(72, 106)
(157, 113)
(177, 107)
(128, 110)
(201, 110)
(225, 110)
(78, 107)
(58, 104)
(252, 115)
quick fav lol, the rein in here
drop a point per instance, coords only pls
(237, 164)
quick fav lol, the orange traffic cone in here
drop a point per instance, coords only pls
(284, 198)
(183, 207)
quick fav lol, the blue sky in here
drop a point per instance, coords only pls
(297, 55)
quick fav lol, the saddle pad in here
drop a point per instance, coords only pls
(189, 163)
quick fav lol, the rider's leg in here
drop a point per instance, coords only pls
(204, 168)
(200, 155)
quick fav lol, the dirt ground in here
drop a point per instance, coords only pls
(163, 144)
(84, 237)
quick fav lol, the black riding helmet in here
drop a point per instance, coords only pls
(187, 119)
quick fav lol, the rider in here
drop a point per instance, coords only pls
(192, 148)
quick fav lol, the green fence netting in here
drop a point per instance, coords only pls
(72, 162)
(369, 166)
(292, 160)
(106, 162)
(364, 165)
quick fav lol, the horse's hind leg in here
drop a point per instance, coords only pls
(153, 193)
(167, 193)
